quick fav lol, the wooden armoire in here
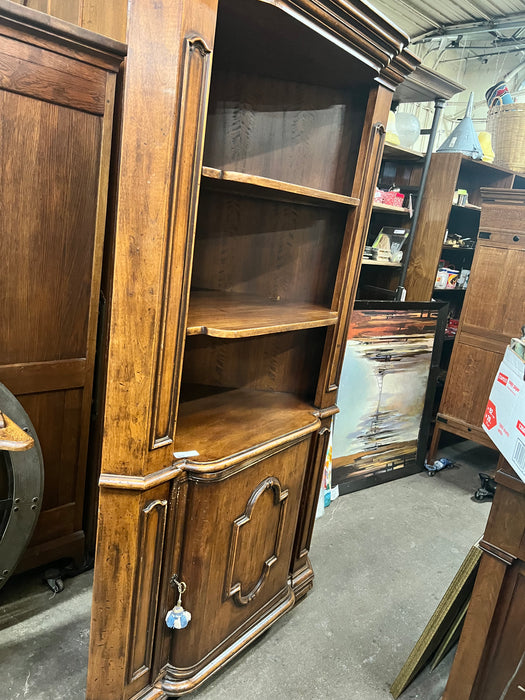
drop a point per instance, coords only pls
(57, 95)
(251, 135)
(493, 312)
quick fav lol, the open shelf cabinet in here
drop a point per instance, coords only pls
(405, 170)
(233, 316)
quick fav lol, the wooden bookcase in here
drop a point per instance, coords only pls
(402, 168)
(244, 187)
(448, 172)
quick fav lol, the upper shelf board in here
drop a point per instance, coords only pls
(226, 315)
(266, 188)
(377, 206)
(392, 152)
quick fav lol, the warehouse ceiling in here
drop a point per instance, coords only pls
(482, 27)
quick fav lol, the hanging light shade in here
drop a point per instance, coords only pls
(464, 138)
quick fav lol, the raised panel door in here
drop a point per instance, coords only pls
(238, 539)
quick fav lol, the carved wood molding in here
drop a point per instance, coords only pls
(372, 164)
(371, 38)
(209, 471)
(400, 67)
(234, 589)
(321, 446)
(224, 468)
(179, 681)
(140, 483)
(145, 589)
(193, 99)
(64, 37)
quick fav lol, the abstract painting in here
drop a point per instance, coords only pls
(386, 391)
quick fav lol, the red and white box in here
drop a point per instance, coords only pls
(504, 419)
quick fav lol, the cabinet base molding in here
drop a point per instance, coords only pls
(449, 424)
(303, 581)
(177, 682)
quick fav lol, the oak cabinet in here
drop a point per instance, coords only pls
(251, 138)
(57, 85)
(492, 314)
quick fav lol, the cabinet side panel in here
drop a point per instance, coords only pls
(108, 18)
(156, 192)
(469, 380)
(125, 591)
(103, 17)
(432, 223)
(502, 672)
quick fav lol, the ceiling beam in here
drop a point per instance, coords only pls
(515, 21)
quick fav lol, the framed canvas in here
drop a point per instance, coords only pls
(386, 391)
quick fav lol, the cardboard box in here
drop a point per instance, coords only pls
(504, 420)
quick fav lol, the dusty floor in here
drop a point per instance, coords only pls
(383, 558)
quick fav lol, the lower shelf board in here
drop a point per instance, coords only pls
(235, 423)
(227, 315)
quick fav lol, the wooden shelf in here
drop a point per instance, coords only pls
(236, 422)
(471, 207)
(392, 152)
(378, 263)
(470, 163)
(393, 210)
(266, 188)
(226, 315)
(457, 249)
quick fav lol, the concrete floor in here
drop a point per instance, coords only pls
(383, 558)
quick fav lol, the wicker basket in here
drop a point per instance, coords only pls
(506, 124)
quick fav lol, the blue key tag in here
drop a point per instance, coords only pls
(177, 618)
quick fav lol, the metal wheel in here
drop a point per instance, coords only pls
(21, 489)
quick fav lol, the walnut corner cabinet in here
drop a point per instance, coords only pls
(251, 136)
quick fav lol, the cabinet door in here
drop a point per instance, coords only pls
(55, 128)
(493, 312)
(238, 537)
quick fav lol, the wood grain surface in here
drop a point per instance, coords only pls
(56, 107)
(276, 190)
(224, 315)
